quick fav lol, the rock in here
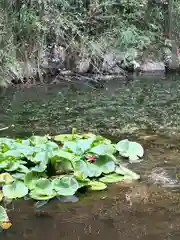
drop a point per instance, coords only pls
(113, 60)
(116, 62)
(153, 67)
(171, 56)
(57, 57)
(83, 66)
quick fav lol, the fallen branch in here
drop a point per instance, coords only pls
(1, 129)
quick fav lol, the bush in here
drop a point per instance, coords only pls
(86, 27)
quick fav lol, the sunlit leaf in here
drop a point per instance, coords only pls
(43, 186)
(66, 137)
(127, 172)
(103, 149)
(30, 179)
(130, 149)
(35, 140)
(94, 170)
(15, 190)
(1, 195)
(12, 166)
(5, 178)
(65, 186)
(111, 178)
(105, 164)
(81, 170)
(96, 185)
(3, 215)
(37, 196)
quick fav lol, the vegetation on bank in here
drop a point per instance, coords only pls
(84, 28)
(43, 168)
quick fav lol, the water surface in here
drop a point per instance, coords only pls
(147, 110)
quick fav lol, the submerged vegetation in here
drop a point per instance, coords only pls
(43, 168)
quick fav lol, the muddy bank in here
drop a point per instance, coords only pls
(60, 64)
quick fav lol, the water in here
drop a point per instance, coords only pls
(147, 110)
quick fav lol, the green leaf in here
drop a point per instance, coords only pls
(14, 153)
(12, 166)
(40, 157)
(35, 140)
(72, 146)
(30, 179)
(81, 170)
(97, 186)
(65, 186)
(4, 164)
(66, 137)
(37, 196)
(44, 187)
(127, 172)
(19, 176)
(5, 178)
(132, 150)
(3, 215)
(59, 155)
(22, 169)
(111, 178)
(103, 149)
(94, 170)
(1, 195)
(85, 144)
(105, 164)
(65, 166)
(15, 190)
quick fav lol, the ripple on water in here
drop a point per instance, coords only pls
(164, 176)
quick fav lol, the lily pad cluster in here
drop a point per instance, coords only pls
(46, 167)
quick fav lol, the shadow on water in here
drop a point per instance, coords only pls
(148, 110)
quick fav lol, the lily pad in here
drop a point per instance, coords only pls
(103, 149)
(15, 190)
(30, 179)
(127, 172)
(3, 215)
(37, 196)
(5, 178)
(111, 178)
(96, 185)
(44, 187)
(131, 150)
(65, 186)
(105, 164)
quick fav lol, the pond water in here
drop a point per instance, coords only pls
(146, 110)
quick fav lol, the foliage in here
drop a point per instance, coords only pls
(83, 27)
(4, 219)
(46, 167)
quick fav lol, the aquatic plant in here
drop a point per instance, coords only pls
(4, 219)
(44, 167)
